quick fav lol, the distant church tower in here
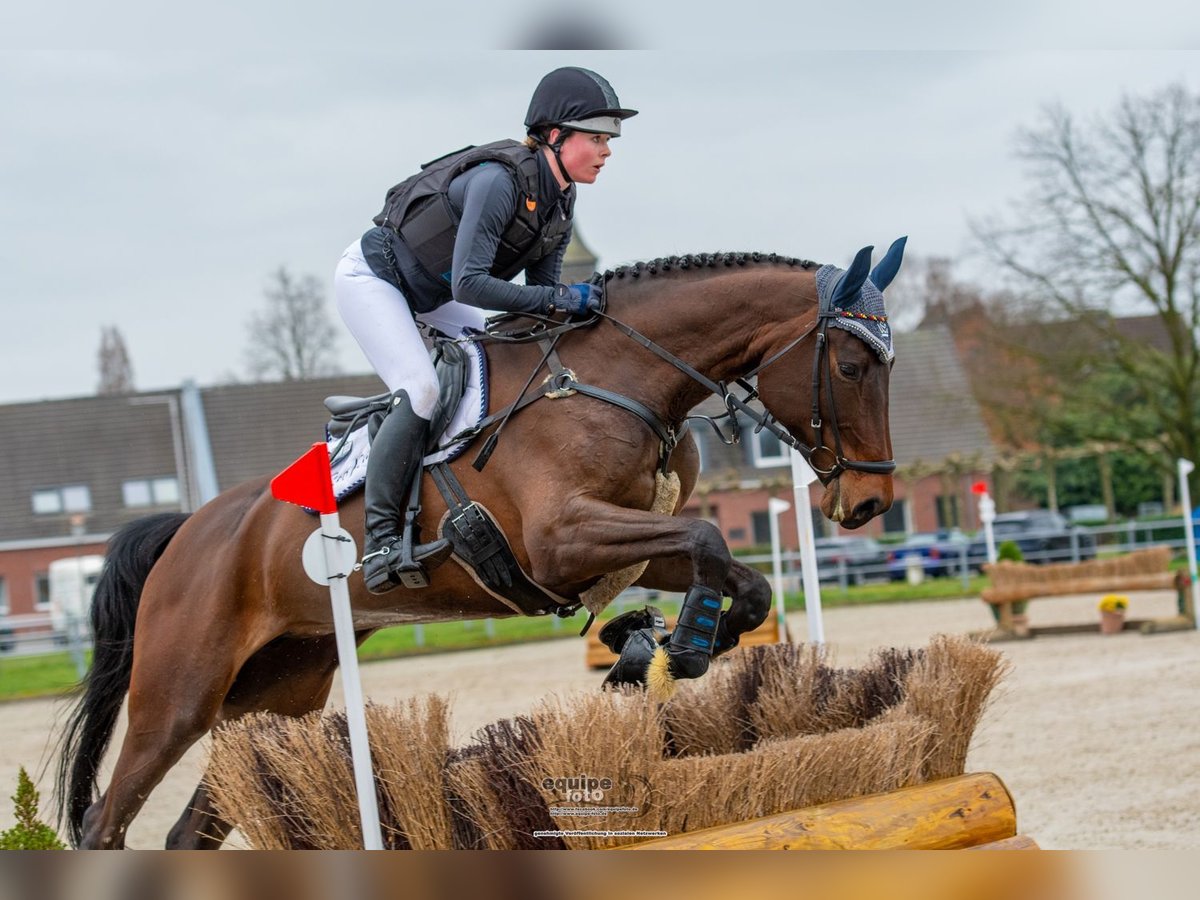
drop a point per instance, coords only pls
(579, 262)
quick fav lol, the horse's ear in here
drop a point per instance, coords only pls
(852, 279)
(882, 274)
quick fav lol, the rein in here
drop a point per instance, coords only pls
(562, 381)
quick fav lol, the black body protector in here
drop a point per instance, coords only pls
(419, 210)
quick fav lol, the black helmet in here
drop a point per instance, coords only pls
(577, 99)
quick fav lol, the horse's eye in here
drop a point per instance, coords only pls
(849, 370)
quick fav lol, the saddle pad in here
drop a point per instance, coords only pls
(350, 466)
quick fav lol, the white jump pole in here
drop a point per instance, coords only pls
(328, 556)
(775, 508)
(802, 477)
(1186, 467)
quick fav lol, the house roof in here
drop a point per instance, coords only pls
(933, 413)
(102, 442)
(98, 442)
(257, 429)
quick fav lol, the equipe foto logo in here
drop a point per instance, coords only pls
(579, 788)
(597, 795)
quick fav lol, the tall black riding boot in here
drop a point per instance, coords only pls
(389, 560)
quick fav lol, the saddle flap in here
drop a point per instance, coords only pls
(450, 361)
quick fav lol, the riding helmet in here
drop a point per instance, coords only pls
(578, 99)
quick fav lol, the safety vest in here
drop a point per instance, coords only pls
(419, 210)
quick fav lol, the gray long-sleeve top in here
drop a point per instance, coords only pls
(484, 199)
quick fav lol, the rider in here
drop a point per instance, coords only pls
(443, 249)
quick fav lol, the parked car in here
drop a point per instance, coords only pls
(941, 553)
(1043, 537)
(864, 558)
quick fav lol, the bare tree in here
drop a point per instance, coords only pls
(293, 337)
(116, 371)
(1112, 225)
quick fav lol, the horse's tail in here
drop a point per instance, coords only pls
(132, 552)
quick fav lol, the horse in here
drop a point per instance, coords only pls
(201, 618)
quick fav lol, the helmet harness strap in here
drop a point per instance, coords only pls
(556, 149)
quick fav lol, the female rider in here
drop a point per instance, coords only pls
(441, 253)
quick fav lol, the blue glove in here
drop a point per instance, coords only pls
(576, 299)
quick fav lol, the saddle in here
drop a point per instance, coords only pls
(351, 413)
(478, 541)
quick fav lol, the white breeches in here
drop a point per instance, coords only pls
(379, 317)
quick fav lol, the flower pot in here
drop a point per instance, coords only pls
(1111, 622)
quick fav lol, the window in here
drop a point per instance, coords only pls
(150, 492)
(767, 450)
(822, 527)
(4, 608)
(70, 498)
(737, 534)
(947, 511)
(760, 525)
(41, 591)
(893, 519)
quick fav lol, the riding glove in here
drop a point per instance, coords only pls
(576, 299)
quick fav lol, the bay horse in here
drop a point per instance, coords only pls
(227, 622)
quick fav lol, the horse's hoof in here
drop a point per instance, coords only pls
(636, 654)
(687, 663)
(616, 632)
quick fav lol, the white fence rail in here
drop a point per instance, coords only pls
(37, 634)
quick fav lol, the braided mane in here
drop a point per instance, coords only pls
(665, 264)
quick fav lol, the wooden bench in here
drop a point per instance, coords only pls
(600, 657)
(1141, 570)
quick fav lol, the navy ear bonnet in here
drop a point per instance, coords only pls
(856, 300)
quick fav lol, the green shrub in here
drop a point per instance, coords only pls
(28, 833)
(1011, 551)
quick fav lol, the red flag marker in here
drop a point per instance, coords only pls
(307, 481)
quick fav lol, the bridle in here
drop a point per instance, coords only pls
(828, 462)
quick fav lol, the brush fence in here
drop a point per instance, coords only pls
(773, 729)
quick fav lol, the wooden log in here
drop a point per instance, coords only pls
(599, 656)
(1030, 590)
(943, 815)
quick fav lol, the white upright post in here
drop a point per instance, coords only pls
(775, 508)
(332, 537)
(802, 477)
(1186, 467)
(328, 558)
(987, 515)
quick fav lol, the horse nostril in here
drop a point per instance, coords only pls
(867, 510)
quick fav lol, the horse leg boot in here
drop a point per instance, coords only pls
(391, 560)
(692, 642)
(649, 656)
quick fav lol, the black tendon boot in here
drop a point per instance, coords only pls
(389, 558)
(691, 645)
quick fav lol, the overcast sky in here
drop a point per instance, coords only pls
(156, 189)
